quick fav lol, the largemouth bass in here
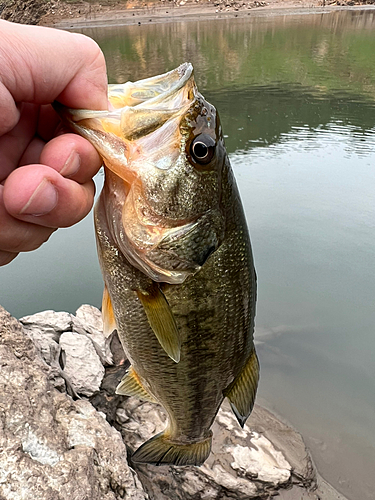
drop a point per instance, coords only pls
(174, 249)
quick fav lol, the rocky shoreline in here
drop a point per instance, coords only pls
(64, 432)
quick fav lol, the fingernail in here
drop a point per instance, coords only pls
(71, 165)
(42, 201)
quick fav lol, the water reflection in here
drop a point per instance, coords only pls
(296, 100)
(260, 116)
(326, 52)
(309, 203)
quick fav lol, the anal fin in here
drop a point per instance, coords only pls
(161, 319)
(131, 385)
(109, 321)
(241, 392)
(159, 450)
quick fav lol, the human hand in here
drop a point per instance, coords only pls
(45, 177)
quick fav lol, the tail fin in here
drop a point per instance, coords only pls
(159, 450)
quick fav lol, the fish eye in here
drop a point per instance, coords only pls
(202, 149)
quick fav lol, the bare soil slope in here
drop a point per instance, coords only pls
(51, 12)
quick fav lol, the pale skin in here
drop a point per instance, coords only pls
(45, 176)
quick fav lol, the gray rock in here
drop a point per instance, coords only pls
(82, 374)
(81, 364)
(45, 329)
(91, 317)
(52, 448)
(265, 459)
(88, 321)
(244, 463)
(57, 321)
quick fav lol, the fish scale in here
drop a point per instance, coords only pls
(174, 249)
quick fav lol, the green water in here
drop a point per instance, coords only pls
(296, 100)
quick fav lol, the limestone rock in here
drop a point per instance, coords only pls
(52, 448)
(265, 459)
(76, 363)
(88, 321)
(45, 329)
(243, 464)
(58, 322)
(81, 364)
(91, 317)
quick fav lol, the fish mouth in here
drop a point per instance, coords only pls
(141, 126)
(158, 92)
(135, 108)
(138, 137)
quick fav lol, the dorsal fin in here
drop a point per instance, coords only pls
(109, 321)
(131, 385)
(161, 319)
(241, 392)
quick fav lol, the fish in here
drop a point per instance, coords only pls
(176, 259)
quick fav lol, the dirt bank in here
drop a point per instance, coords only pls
(65, 14)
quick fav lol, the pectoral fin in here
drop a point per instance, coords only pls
(162, 322)
(131, 385)
(241, 392)
(109, 321)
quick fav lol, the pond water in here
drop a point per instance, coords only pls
(296, 99)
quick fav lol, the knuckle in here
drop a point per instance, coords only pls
(24, 240)
(6, 257)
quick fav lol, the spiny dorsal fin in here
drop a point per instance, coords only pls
(161, 319)
(160, 450)
(131, 385)
(109, 322)
(241, 392)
